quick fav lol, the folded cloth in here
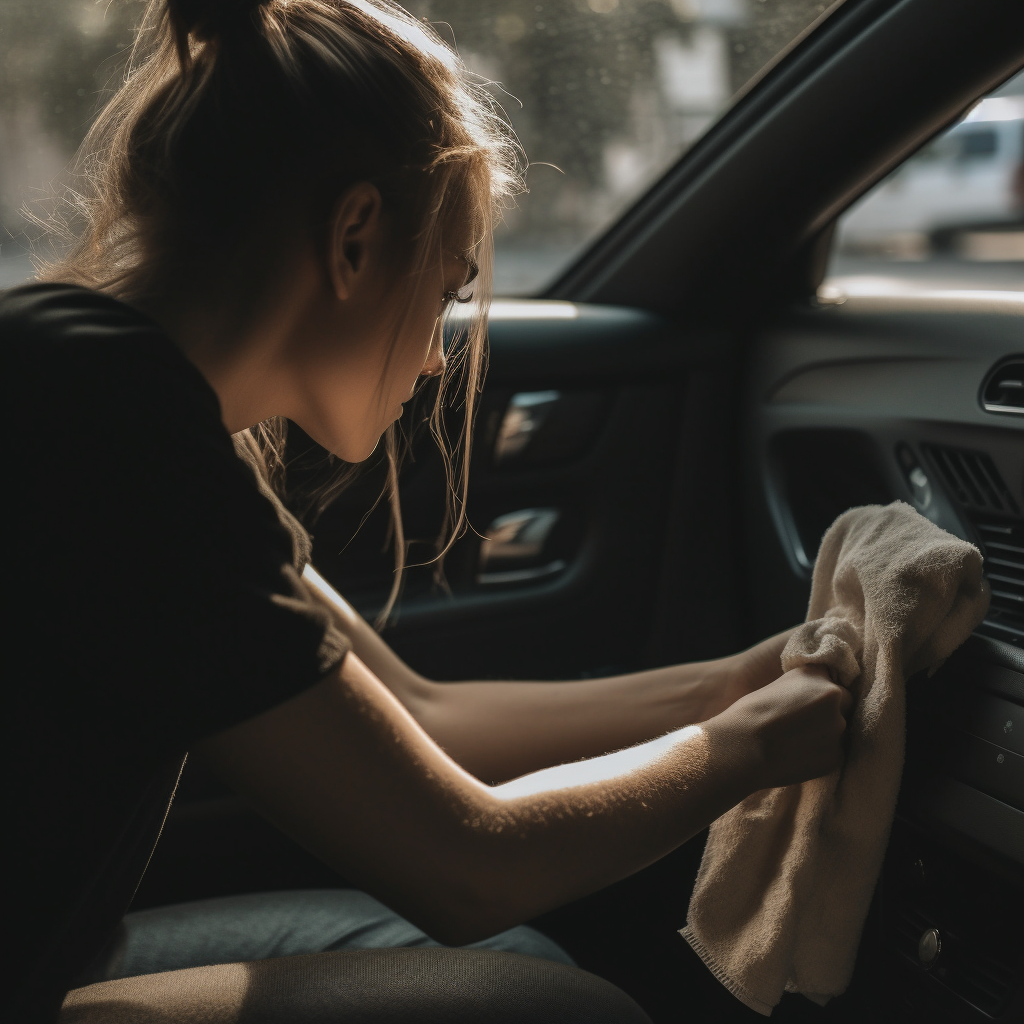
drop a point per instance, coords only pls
(788, 874)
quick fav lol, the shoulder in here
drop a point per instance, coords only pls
(123, 421)
(70, 318)
(187, 612)
(65, 346)
(60, 310)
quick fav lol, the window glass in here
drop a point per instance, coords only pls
(603, 94)
(950, 216)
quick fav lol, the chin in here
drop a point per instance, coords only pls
(357, 451)
(348, 449)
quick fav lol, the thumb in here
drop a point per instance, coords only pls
(845, 702)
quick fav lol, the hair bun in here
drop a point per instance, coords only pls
(206, 20)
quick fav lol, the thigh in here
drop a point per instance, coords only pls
(425, 986)
(259, 926)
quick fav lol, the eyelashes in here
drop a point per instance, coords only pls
(461, 295)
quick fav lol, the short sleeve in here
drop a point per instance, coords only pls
(161, 593)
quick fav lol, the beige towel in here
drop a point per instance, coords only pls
(787, 875)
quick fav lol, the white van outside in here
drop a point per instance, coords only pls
(962, 193)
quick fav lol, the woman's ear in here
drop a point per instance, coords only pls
(356, 237)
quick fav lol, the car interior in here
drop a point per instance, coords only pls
(665, 433)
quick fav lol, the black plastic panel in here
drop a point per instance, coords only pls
(886, 379)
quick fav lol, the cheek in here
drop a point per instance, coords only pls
(343, 409)
(410, 358)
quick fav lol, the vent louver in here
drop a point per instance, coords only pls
(982, 980)
(1003, 390)
(972, 478)
(1002, 544)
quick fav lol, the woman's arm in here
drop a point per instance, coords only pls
(499, 730)
(347, 771)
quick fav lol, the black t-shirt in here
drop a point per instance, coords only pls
(153, 598)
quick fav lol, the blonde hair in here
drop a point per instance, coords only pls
(238, 117)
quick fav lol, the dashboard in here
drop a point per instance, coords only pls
(919, 397)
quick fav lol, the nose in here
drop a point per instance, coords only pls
(434, 366)
(435, 363)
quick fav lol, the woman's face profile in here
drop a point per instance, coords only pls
(360, 352)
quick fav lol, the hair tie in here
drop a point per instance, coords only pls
(207, 20)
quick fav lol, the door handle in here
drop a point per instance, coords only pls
(514, 543)
(523, 419)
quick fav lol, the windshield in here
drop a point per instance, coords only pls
(604, 96)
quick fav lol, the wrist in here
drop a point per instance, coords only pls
(737, 749)
(715, 690)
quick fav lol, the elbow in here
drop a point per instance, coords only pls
(468, 910)
(460, 930)
(450, 932)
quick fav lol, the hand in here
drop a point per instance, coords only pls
(790, 730)
(736, 676)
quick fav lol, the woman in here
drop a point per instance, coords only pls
(279, 206)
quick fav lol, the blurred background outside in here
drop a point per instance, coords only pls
(604, 95)
(952, 216)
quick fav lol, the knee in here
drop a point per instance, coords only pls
(440, 985)
(435, 985)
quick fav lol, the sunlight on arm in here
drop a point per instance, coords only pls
(607, 768)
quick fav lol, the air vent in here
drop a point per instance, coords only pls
(1002, 544)
(973, 970)
(1003, 390)
(972, 479)
(905, 925)
(985, 981)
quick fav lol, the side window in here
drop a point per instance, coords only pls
(603, 94)
(950, 216)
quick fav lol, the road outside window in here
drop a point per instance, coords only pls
(952, 216)
(604, 95)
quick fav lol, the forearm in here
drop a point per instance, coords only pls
(500, 730)
(606, 818)
(564, 832)
(346, 770)
(349, 773)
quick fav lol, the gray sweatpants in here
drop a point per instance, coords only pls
(235, 929)
(329, 957)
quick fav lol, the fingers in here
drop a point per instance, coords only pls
(818, 671)
(798, 722)
(844, 696)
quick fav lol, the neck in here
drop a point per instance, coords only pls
(239, 344)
